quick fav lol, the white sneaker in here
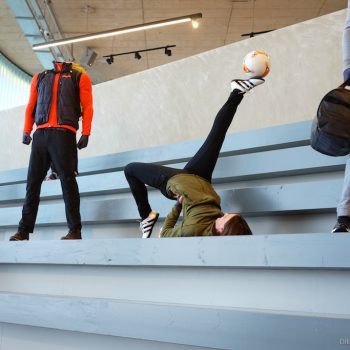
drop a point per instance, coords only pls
(246, 85)
(146, 225)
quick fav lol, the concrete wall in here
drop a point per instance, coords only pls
(177, 101)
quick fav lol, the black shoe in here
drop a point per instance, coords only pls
(72, 234)
(20, 236)
(339, 227)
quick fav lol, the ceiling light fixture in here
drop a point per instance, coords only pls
(119, 31)
(167, 51)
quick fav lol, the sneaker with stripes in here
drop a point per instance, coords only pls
(146, 225)
(246, 85)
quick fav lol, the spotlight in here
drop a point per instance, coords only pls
(195, 24)
(167, 52)
(110, 60)
(137, 56)
(88, 58)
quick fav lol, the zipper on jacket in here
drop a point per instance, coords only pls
(49, 110)
(58, 112)
(50, 105)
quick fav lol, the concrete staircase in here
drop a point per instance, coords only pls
(285, 287)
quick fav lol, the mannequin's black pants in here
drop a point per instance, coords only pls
(56, 145)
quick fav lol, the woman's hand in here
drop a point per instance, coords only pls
(179, 199)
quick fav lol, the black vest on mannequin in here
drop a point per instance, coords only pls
(68, 100)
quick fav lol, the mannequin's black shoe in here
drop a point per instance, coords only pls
(20, 236)
(72, 234)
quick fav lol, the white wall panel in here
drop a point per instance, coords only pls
(179, 100)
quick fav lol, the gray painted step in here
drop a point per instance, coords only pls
(317, 196)
(287, 251)
(270, 164)
(282, 136)
(220, 328)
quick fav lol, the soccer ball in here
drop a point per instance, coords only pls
(257, 64)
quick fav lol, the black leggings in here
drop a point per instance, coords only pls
(202, 163)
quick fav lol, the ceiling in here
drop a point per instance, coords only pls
(223, 23)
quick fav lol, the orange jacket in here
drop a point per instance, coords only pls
(85, 94)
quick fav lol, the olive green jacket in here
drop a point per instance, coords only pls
(201, 207)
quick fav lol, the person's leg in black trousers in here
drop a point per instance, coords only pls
(204, 161)
(139, 175)
(39, 164)
(62, 149)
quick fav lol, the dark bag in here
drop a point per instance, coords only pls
(330, 131)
